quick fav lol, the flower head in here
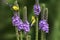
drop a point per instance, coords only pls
(44, 26)
(20, 26)
(37, 9)
(26, 26)
(16, 21)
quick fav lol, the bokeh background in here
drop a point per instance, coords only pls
(7, 31)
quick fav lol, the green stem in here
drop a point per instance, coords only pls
(43, 12)
(37, 28)
(16, 13)
(37, 1)
(25, 19)
(46, 14)
(43, 17)
(21, 35)
(43, 36)
(17, 35)
(28, 37)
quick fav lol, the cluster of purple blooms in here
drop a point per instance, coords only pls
(16, 21)
(26, 26)
(37, 9)
(43, 25)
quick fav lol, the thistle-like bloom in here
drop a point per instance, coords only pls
(20, 26)
(37, 9)
(44, 26)
(26, 26)
(16, 21)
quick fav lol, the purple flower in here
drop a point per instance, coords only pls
(37, 9)
(43, 25)
(16, 21)
(26, 26)
(20, 26)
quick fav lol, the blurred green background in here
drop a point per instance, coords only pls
(7, 31)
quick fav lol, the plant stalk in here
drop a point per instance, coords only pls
(16, 13)
(28, 37)
(21, 35)
(42, 18)
(17, 35)
(36, 28)
(37, 1)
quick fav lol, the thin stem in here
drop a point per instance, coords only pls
(17, 35)
(43, 12)
(43, 36)
(28, 37)
(21, 35)
(37, 28)
(46, 14)
(16, 13)
(37, 1)
(43, 17)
